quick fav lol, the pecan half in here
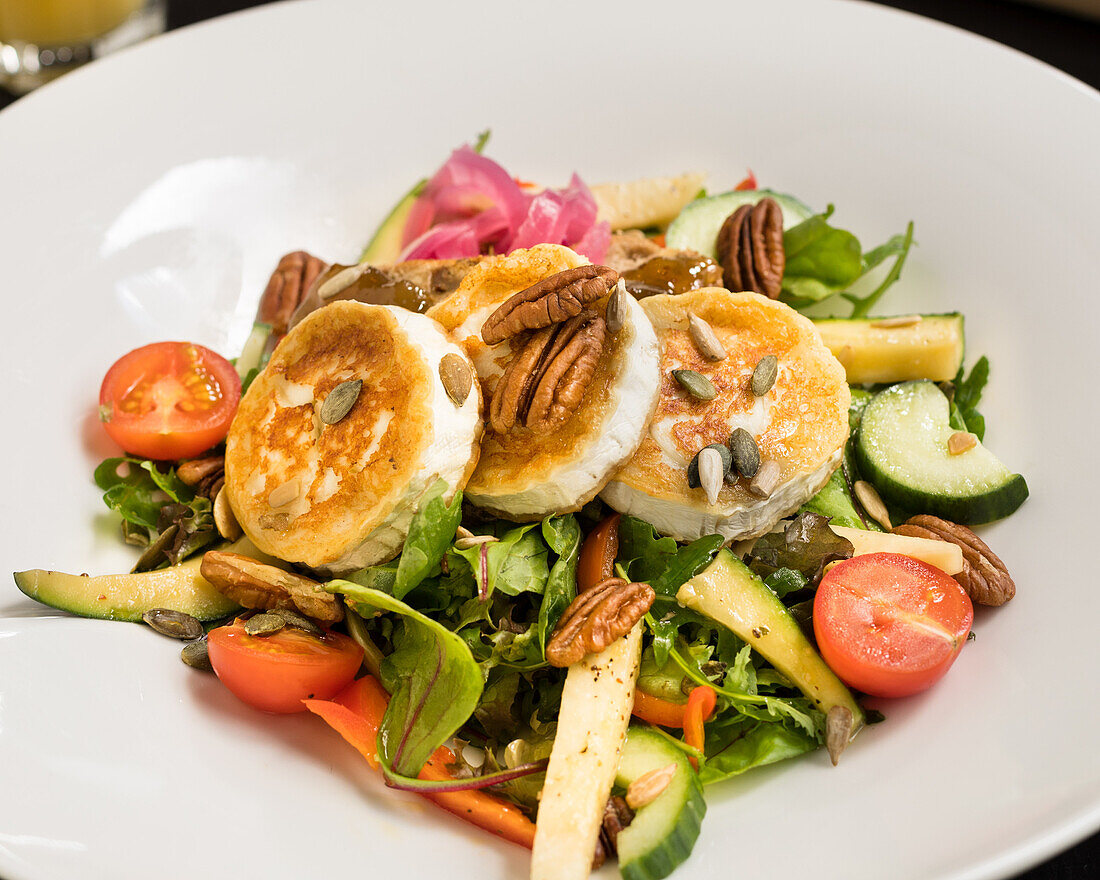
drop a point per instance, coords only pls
(984, 577)
(550, 301)
(616, 816)
(287, 287)
(596, 618)
(544, 383)
(255, 584)
(750, 248)
(205, 475)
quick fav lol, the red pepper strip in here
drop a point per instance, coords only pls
(748, 183)
(658, 239)
(356, 714)
(699, 707)
(658, 711)
(597, 558)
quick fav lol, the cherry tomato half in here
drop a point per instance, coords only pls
(890, 625)
(276, 672)
(169, 400)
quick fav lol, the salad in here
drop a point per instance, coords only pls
(559, 506)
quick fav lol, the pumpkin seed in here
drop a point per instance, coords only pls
(960, 442)
(174, 624)
(297, 621)
(224, 518)
(696, 384)
(138, 536)
(615, 316)
(838, 731)
(156, 553)
(763, 377)
(746, 454)
(196, 655)
(868, 496)
(711, 472)
(766, 479)
(456, 376)
(705, 339)
(693, 465)
(898, 321)
(264, 624)
(340, 400)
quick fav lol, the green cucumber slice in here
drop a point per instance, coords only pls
(698, 224)
(664, 831)
(902, 449)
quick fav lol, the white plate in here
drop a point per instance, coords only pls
(148, 196)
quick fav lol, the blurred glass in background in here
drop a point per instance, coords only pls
(41, 39)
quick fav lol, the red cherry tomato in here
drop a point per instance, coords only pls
(890, 625)
(276, 672)
(169, 400)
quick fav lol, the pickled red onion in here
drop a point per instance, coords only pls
(472, 206)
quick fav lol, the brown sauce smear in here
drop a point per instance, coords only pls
(673, 274)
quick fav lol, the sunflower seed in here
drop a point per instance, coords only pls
(898, 321)
(711, 472)
(705, 339)
(456, 376)
(264, 624)
(474, 541)
(838, 730)
(763, 377)
(766, 479)
(283, 495)
(615, 316)
(196, 655)
(867, 495)
(340, 400)
(296, 620)
(174, 624)
(224, 518)
(342, 280)
(693, 465)
(648, 787)
(960, 442)
(746, 454)
(696, 384)
(463, 532)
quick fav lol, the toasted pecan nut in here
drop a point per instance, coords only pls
(544, 383)
(596, 618)
(255, 584)
(750, 248)
(287, 287)
(984, 576)
(550, 301)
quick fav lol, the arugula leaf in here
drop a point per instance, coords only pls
(137, 493)
(737, 749)
(434, 680)
(661, 562)
(861, 306)
(431, 533)
(563, 535)
(968, 394)
(834, 500)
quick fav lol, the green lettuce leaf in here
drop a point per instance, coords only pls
(807, 545)
(735, 748)
(516, 563)
(661, 562)
(563, 536)
(432, 676)
(139, 493)
(431, 533)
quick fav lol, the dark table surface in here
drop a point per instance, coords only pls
(1069, 43)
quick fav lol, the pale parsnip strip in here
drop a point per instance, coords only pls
(595, 712)
(651, 201)
(944, 555)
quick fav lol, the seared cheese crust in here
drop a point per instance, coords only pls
(338, 497)
(801, 423)
(525, 475)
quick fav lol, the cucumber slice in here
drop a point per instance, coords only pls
(902, 449)
(385, 244)
(698, 224)
(664, 831)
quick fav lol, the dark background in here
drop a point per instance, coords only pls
(1064, 41)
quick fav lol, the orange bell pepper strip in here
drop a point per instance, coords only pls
(657, 710)
(699, 707)
(597, 559)
(356, 714)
